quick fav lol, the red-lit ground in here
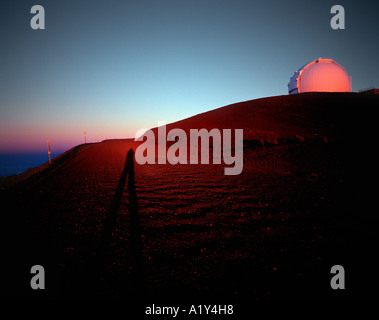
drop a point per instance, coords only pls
(301, 205)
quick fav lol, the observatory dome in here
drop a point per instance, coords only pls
(321, 75)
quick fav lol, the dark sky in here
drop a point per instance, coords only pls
(113, 67)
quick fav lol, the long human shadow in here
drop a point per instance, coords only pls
(137, 279)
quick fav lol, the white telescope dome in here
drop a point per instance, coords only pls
(321, 75)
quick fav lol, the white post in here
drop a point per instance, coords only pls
(48, 148)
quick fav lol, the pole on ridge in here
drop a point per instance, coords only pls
(48, 151)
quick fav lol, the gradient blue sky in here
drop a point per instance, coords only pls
(113, 67)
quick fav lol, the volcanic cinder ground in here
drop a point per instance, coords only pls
(305, 201)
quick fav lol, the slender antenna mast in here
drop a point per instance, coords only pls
(48, 151)
(85, 137)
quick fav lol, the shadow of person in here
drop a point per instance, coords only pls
(136, 258)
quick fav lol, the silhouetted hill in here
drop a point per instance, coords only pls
(272, 119)
(284, 117)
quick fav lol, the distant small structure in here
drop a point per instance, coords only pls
(369, 91)
(321, 75)
(48, 151)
